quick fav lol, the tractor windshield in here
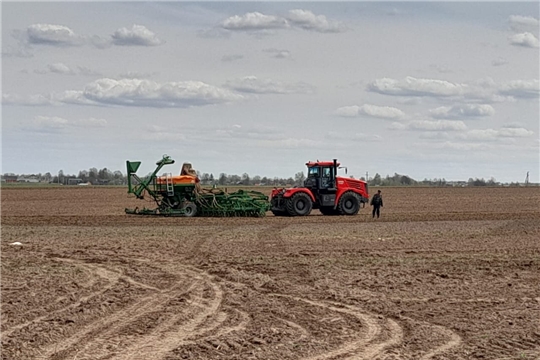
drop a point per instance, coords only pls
(326, 172)
(313, 172)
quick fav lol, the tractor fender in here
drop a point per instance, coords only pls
(340, 192)
(290, 192)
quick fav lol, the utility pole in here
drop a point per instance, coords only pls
(367, 176)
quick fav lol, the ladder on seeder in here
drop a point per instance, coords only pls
(169, 183)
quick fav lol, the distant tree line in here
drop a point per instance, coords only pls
(107, 177)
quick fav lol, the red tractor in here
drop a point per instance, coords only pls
(323, 190)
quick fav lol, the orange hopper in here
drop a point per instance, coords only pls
(178, 179)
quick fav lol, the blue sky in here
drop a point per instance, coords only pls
(430, 90)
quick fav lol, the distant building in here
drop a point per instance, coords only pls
(9, 178)
(73, 181)
(22, 179)
(456, 183)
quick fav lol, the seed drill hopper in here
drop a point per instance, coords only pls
(182, 195)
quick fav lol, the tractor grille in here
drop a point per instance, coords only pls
(353, 184)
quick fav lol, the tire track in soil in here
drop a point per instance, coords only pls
(103, 338)
(166, 336)
(274, 231)
(454, 341)
(454, 338)
(365, 347)
(196, 253)
(303, 332)
(114, 321)
(111, 277)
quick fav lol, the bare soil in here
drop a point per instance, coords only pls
(445, 273)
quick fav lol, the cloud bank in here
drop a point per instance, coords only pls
(297, 18)
(254, 85)
(382, 112)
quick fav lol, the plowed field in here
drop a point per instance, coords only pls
(445, 273)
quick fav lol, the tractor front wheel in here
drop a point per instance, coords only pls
(349, 203)
(299, 204)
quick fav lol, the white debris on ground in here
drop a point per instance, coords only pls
(16, 243)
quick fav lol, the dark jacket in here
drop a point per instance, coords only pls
(376, 200)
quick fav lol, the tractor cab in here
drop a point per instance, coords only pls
(321, 176)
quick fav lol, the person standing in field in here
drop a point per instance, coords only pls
(376, 202)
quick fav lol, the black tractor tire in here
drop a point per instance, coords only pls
(190, 209)
(349, 203)
(299, 204)
(328, 210)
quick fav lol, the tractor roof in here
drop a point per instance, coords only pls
(320, 163)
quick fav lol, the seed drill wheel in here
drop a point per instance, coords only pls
(299, 204)
(190, 209)
(349, 203)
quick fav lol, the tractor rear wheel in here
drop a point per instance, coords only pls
(190, 209)
(299, 204)
(349, 203)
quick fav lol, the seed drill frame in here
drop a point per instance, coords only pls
(183, 195)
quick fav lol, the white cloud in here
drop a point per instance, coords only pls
(278, 54)
(461, 146)
(520, 23)
(59, 35)
(134, 92)
(255, 132)
(49, 34)
(252, 84)
(21, 51)
(138, 35)
(60, 68)
(307, 20)
(54, 123)
(348, 111)
(63, 69)
(382, 112)
(297, 18)
(32, 100)
(136, 75)
(71, 97)
(353, 137)
(83, 70)
(435, 135)
(485, 90)
(514, 132)
(50, 122)
(493, 134)
(521, 88)
(443, 69)
(233, 57)
(254, 21)
(462, 111)
(499, 61)
(429, 125)
(411, 86)
(525, 39)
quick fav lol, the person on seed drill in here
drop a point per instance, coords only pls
(376, 202)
